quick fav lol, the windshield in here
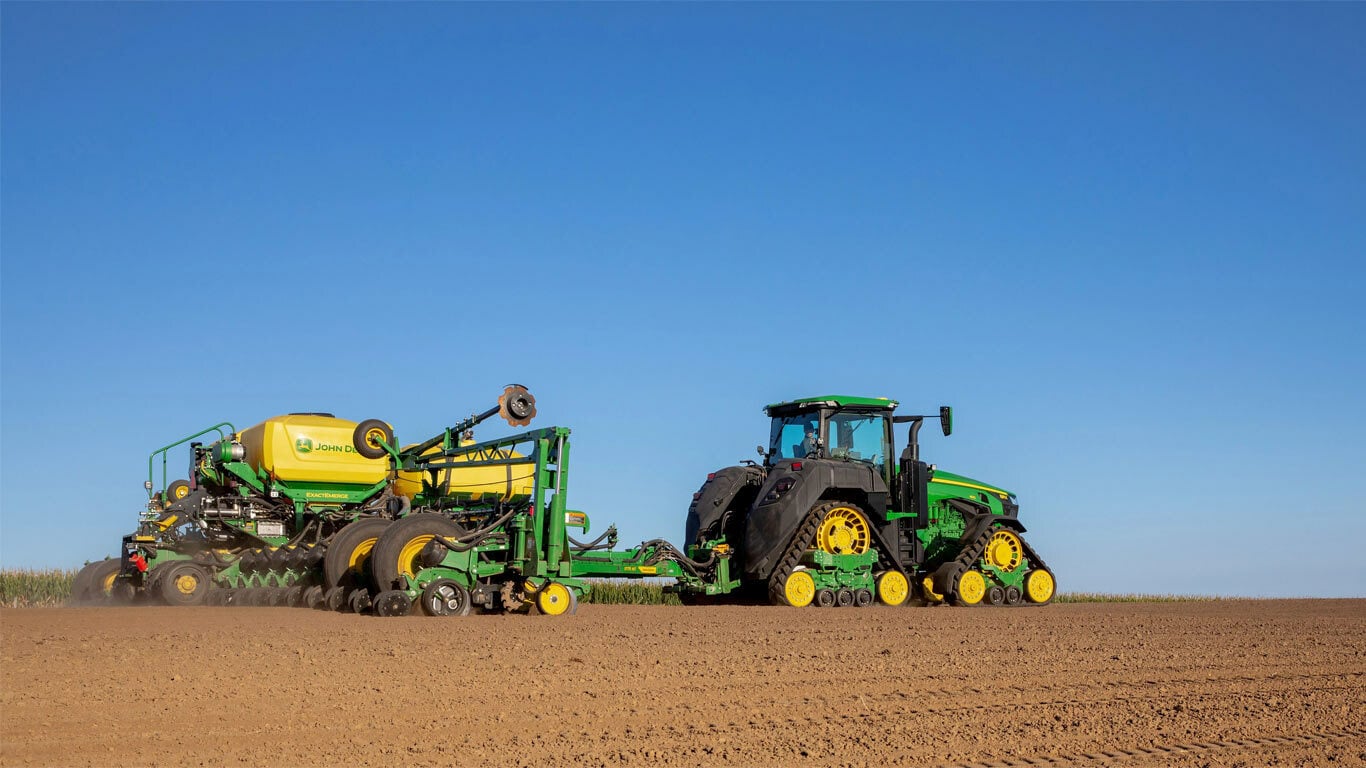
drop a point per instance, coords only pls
(858, 437)
(793, 437)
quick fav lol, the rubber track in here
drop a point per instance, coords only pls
(801, 541)
(1161, 751)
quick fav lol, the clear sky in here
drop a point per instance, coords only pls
(1125, 241)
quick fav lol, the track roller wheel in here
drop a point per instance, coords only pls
(971, 587)
(892, 588)
(555, 599)
(799, 589)
(1039, 586)
(394, 602)
(863, 598)
(996, 595)
(825, 598)
(368, 435)
(182, 583)
(444, 597)
(844, 598)
(346, 562)
(334, 599)
(313, 597)
(1013, 596)
(358, 601)
(402, 552)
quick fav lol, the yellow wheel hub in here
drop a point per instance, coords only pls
(927, 584)
(1004, 551)
(374, 437)
(108, 585)
(799, 589)
(407, 557)
(186, 583)
(181, 492)
(844, 531)
(554, 599)
(1039, 586)
(972, 587)
(892, 588)
(360, 554)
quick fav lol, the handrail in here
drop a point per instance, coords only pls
(165, 458)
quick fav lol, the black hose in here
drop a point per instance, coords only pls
(474, 538)
(595, 544)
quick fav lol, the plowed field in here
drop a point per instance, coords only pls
(1184, 684)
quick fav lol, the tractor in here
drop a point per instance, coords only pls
(828, 518)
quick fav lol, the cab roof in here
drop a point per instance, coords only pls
(832, 401)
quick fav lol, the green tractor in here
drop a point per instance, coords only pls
(828, 518)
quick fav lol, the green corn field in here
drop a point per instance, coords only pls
(35, 589)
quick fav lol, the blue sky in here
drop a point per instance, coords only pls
(1124, 241)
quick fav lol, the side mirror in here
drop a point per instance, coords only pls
(946, 419)
(761, 451)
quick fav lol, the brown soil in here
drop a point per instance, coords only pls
(1183, 684)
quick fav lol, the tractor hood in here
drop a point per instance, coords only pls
(959, 481)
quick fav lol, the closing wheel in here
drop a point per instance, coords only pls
(347, 559)
(403, 552)
(825, 598)
(444, 597)
(517, 406)
(971, 588)
(334, 599)
(358, 600)
(394, 602)
(555, 599)
(313, 597)
(1039, 586)
(183, 583)
(892, 588)
(294, 596)
(177, 491)
(368, 436)
(843, 531)
(1004, 551)
(799, 589)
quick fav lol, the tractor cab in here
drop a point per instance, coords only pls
(832, 427)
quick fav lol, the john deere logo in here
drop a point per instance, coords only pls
(306, 445)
